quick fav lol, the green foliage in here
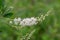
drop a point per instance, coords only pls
(49, 29)
(4, 10)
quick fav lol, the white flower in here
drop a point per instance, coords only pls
(34, 19)
(44, 18)
(41, 15)
(10, 22)
(16, 21)
(19, 19)
(22, 23)
(25, 22)
(28, 22)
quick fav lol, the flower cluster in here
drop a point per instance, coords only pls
(42, 17)
(25, 21)
(29, 21)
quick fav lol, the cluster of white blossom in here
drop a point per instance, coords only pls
(25, 21)
(29, 21)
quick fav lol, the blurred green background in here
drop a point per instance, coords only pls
(49, 29)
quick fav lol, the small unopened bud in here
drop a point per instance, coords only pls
(11, 7)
